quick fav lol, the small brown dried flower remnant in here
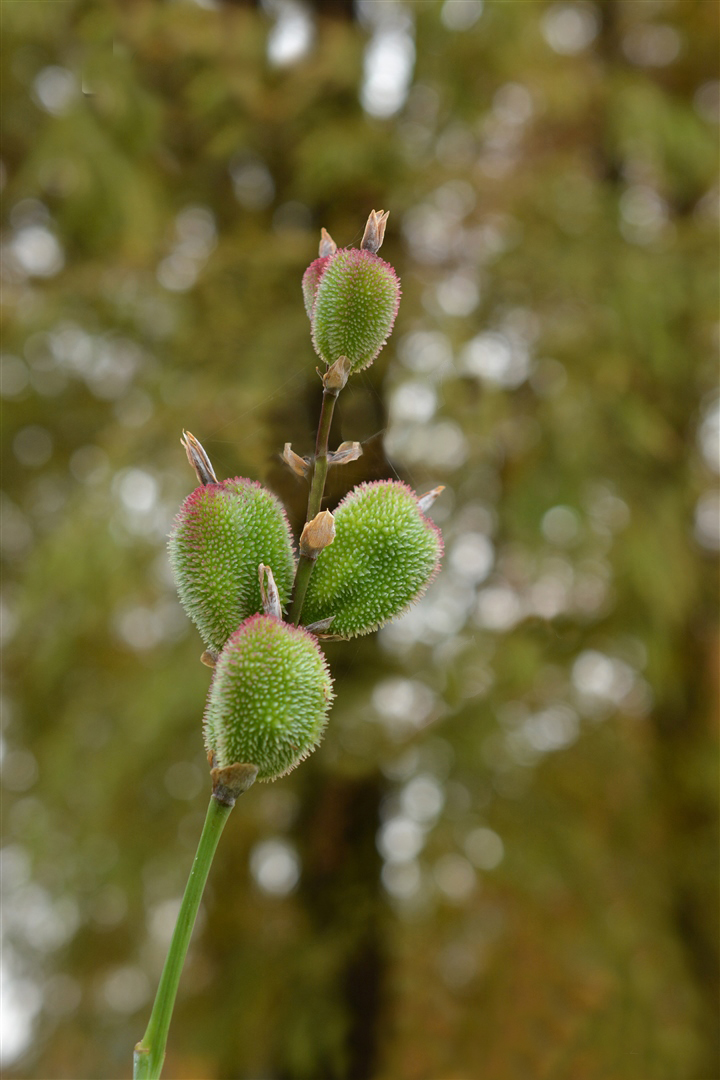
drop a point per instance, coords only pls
(317, 534)
(346, 452)
(269, 592)
(197, 456)
(299, 465)
(374, 231)
(425, 501)
(327, 244)
(337, 375)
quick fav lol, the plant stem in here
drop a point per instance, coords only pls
(150, 1051)
(320, 464)
(317, 489)
(302, 580)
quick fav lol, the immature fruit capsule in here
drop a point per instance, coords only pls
(311, 277)
(269, 699)
(356, 298)
(310, 282)
(218, 539)
(384, 555)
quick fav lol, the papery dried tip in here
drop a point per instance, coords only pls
(374, 231)
(337, 375)
(198, 459)
(321, 624)
(346, 452)
(425, 501)
(209, 658)
(327, 244)
(269, 592)
(299, 465)
(317, 534)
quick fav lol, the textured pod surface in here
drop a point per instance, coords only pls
(218, 539)
(385, 554)
(310, 282)
(356, 302)
(269, 699)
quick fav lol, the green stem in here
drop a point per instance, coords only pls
(320, 465)
(302, 580)
(150, 1051)
(317, 489)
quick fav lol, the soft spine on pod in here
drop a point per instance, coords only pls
(269, 699)
(385, 554)
(354, 298)
(218, 539)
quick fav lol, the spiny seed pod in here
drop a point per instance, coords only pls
(356, 301)
(311, 277)
(310, 282)
(385, 554)
(218, 539)
(269, 699)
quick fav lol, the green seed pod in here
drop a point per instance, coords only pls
(311, 277)
(269, 699)
(356, 301)
(310, 282)
(384, 555)
(218, 539)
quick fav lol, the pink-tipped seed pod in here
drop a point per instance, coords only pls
(356, 300)
(219, 538)
(384, 555)
(270, 696)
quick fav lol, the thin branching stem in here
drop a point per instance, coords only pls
(320, 464)
(150, 1051)
(317, 490)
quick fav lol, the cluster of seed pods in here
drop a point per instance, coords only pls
(235, 561)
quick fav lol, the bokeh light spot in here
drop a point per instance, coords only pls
(275, 866)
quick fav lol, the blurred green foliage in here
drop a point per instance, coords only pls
(507, 845)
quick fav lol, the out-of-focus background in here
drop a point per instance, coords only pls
(503, 860)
